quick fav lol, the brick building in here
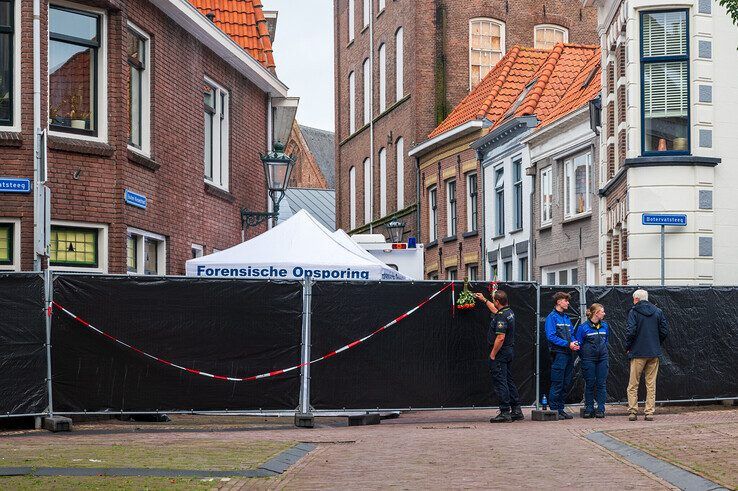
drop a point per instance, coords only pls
(145, 97)
(421, 62)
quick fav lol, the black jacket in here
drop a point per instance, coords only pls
(647, 329)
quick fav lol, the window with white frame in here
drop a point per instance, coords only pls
(400, 156)
(8, 62)
(499, 202)
(451, 208)
(472, 272)
(216, 105)
(508, 271)
(433, 275)
(517, 168)
(577, 171)
(352, 197)
(352, 103)
(197, 251)
(471, 202)
(452, 274)
(77, 84)
(382, 182)
(382, 78)
(139, 92)
(523, 269)
(77, 246)
(351, 27)
(665, 72)
(546, 195)
(366, 11)
(432, 214)
(367, 91)
(486, 46)
(368, 179)
(147, 252)
(382, 5)
(546, 36)
(399, 64)
(9, 244)
(562, 274)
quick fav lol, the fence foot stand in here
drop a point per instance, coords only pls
(304, 420)
(728, 402)
(56, 424)
(37, 421)
(544, 415)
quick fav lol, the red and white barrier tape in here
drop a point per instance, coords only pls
(263, 375)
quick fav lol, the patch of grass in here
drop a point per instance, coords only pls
(23, 483)
(197, 454)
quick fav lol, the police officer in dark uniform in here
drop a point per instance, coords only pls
(501, 340)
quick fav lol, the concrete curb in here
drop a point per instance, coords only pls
(674, 475)
(272, 467)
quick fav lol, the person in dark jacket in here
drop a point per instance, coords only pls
(646, 331)
(561, 344)
(501, 341)
(592, 337)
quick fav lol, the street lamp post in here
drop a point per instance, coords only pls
(277, 169)
(396, 229)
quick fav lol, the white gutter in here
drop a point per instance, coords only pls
(561, 121)
(37, 177)
(186, 15)
(451, 134)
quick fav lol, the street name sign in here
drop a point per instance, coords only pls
(14, 185)
(662, 219)
(135, 199)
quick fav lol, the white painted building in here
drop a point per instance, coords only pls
(669, 140)
(506, 194)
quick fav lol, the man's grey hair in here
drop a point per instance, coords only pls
(641, 295)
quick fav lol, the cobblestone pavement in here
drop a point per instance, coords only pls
(460, 449)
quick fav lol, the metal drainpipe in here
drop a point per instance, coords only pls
(417, 201)
(482, 229)
(371, 113)
(37, 177)
(530, 240)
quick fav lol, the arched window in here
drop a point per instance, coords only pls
(351, 29)
(382, 182)
(352, 198)
(382, 78)
(399, 64)
(367, 191)
(352, 103)
(400, 148)
(548, 35)
(367, 92)
(486, 46)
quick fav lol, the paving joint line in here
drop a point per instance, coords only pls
(273, 467)
(674, 475)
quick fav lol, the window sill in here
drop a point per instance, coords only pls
(431, 244)
(516, 231)
(364, 29)
(381, 12)
(142, 161)
(11, 139)
(213, 190)
(83, 147)
(498, 237)
(448, 239)
(576, 218)
(546, 226)
(471, 233)
(350, 43)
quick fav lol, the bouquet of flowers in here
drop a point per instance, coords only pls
(466, 298)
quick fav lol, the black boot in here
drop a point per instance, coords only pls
(517, 414)
(502, 417)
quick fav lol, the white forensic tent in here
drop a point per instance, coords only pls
(295, 249)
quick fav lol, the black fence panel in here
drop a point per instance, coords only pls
(22, 345)
(576, 391)
(437, 357)
(699, 355)
(233, 328)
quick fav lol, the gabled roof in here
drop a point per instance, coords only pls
(321, 203)
(322, 145)
(244, 22)
(529, 82)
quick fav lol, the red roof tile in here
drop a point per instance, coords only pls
(527, 81)
(244, 22)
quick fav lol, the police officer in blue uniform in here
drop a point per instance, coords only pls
(562, 345)
(592, 338)
(501, 340)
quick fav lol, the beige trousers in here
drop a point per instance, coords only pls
(638, 366)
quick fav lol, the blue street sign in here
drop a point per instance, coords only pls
(661, 219)
(135, 199)
(14, 185)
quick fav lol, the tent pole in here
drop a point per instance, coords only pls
(538, 347)
(304, 417)
(48, 298)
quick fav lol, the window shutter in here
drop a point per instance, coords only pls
(665, 34)
(665, 89)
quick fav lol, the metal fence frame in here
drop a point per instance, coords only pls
(304, 409)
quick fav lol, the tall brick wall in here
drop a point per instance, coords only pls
(88, 180)
(436, 34)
